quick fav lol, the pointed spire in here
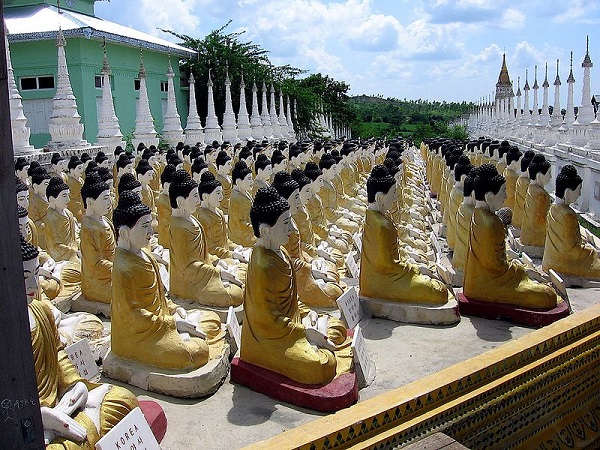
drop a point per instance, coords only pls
(526, 87)
(212, 130)
(60, 38)
(193, 128)
(105, 67)
(546, 84)
(571, 78)
(535, 82)
(243, 119)
(142, 72)
(518, 94)
(255, 122)
(229, 124)
(109, 131)
(557, 80)
(587, 61)
(172, 131)
(264, 113)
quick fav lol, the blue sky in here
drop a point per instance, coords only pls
(433, 49)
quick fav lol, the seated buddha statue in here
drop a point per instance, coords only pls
(38, 202)
(279, 162)
(245, 155)
(146, 327)
(238, 222)
(97, 241)
(521, 187)
(125, 164)
(264, 172)
(198, 168)
(462, 168)
(31, 234)
(129, 182)
(223, 163)
(193, 274)
(537, 203)
(145, 174)
(75, 413)
(566, 251)
(384, 275)
(75, 181)
(21, 169)
(61, 230)
(317, 286)
(163, 206)
(463, 222)
(512, 159)
(335, 237)
(501, 158)
(214, 224)
(489, 276)
(58, 166)
(275, 334)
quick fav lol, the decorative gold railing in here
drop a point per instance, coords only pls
(541, 391)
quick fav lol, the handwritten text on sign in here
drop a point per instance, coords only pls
(131, 433)
(81, 356)
(349, 305)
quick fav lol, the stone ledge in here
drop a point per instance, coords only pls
(80, 303)
(421, 314)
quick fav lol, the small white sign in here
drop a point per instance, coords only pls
(164, 276)
(131, 433)
(352, 265)
(357, 237)
(365, 368)
(435, 245)
(234, 329)
(349, 305)
(81, 356)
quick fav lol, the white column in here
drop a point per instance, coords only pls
(243, 119)
(264, 114)
(255, 122)
(212, 130)
(109, 131)
(275, 126)
(193, 129)
(172, 131)
(229, 124)
(144, 122)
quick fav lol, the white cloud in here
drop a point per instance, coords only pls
(178, 15)
(513, 18)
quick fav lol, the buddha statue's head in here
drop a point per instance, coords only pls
(263, 167)
(124, 165)
(102, 160)
(140, 149)
(23, 216)
(22, 193)
(315, 175)
(525, 161)
(318, 149)
(210, 191)
(118, 151)
(502, 150)
(58, 194)
(512, 158)
(285, 185)
(166, 176)
(21, 168)
(327, 165)
(179, 149)
(210, 154)
(75, 167)
(223, 164)
(133, 222)
(31, 269)
(58, 163)
(128, 182)
(91, 167)
(304, 184)
(39, 181)
(296, 155)
(106, 174)
(198, 168)
(490, 188)
(241, 177)
(246, 156)
(393, 169)
(568, 185)
(183, 194)
(279, 161)
(271, 219)
(539, 170)
(144, 172)
(381, 189)
(86, 159)
(185, 154)
(176, 161)
(461, 169)
(96, 197)
(469, 187)
(227, 148)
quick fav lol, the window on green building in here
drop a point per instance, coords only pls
(35, 83)
(99, 81)
(136, 84)
(164, 86)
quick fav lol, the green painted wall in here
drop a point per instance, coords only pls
(84, 60)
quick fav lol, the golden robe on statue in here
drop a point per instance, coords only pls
(384, 276)
(164, 211)
(490, 277)
(143, 327)
(55, 374)
(565, 250)
(461, 234)
(215, 232)
(38, 208)
(227, 192)
(76, 202)
(520, 193)
(320, 225)
(238, 222)
(97, 252)
(456, 198)
(537, 204)
(62, 242)
(273, 336)
(193, 275)
(329, 197)
(511, 186)
(147, 197)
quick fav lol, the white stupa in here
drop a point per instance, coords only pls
(212, 130)
(193, 129)
(264, 115)
(255, 121)
(243, 122)
(144, 122)
(109, 131)
(172, 132)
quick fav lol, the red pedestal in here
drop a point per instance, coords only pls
(155, 416)
(339, 394)
(517, 314)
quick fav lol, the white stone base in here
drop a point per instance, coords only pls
(193, 136)
(201, 382)
(111, 142)
(221, 312)
(212, 134)
(148, 140)
(446, 314)
(80, 303)
(570, 281)
(534, 252)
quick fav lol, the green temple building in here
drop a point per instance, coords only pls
(32, 27)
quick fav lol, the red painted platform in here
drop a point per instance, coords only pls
(156, 418)
(518, 314)
(339, 394)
